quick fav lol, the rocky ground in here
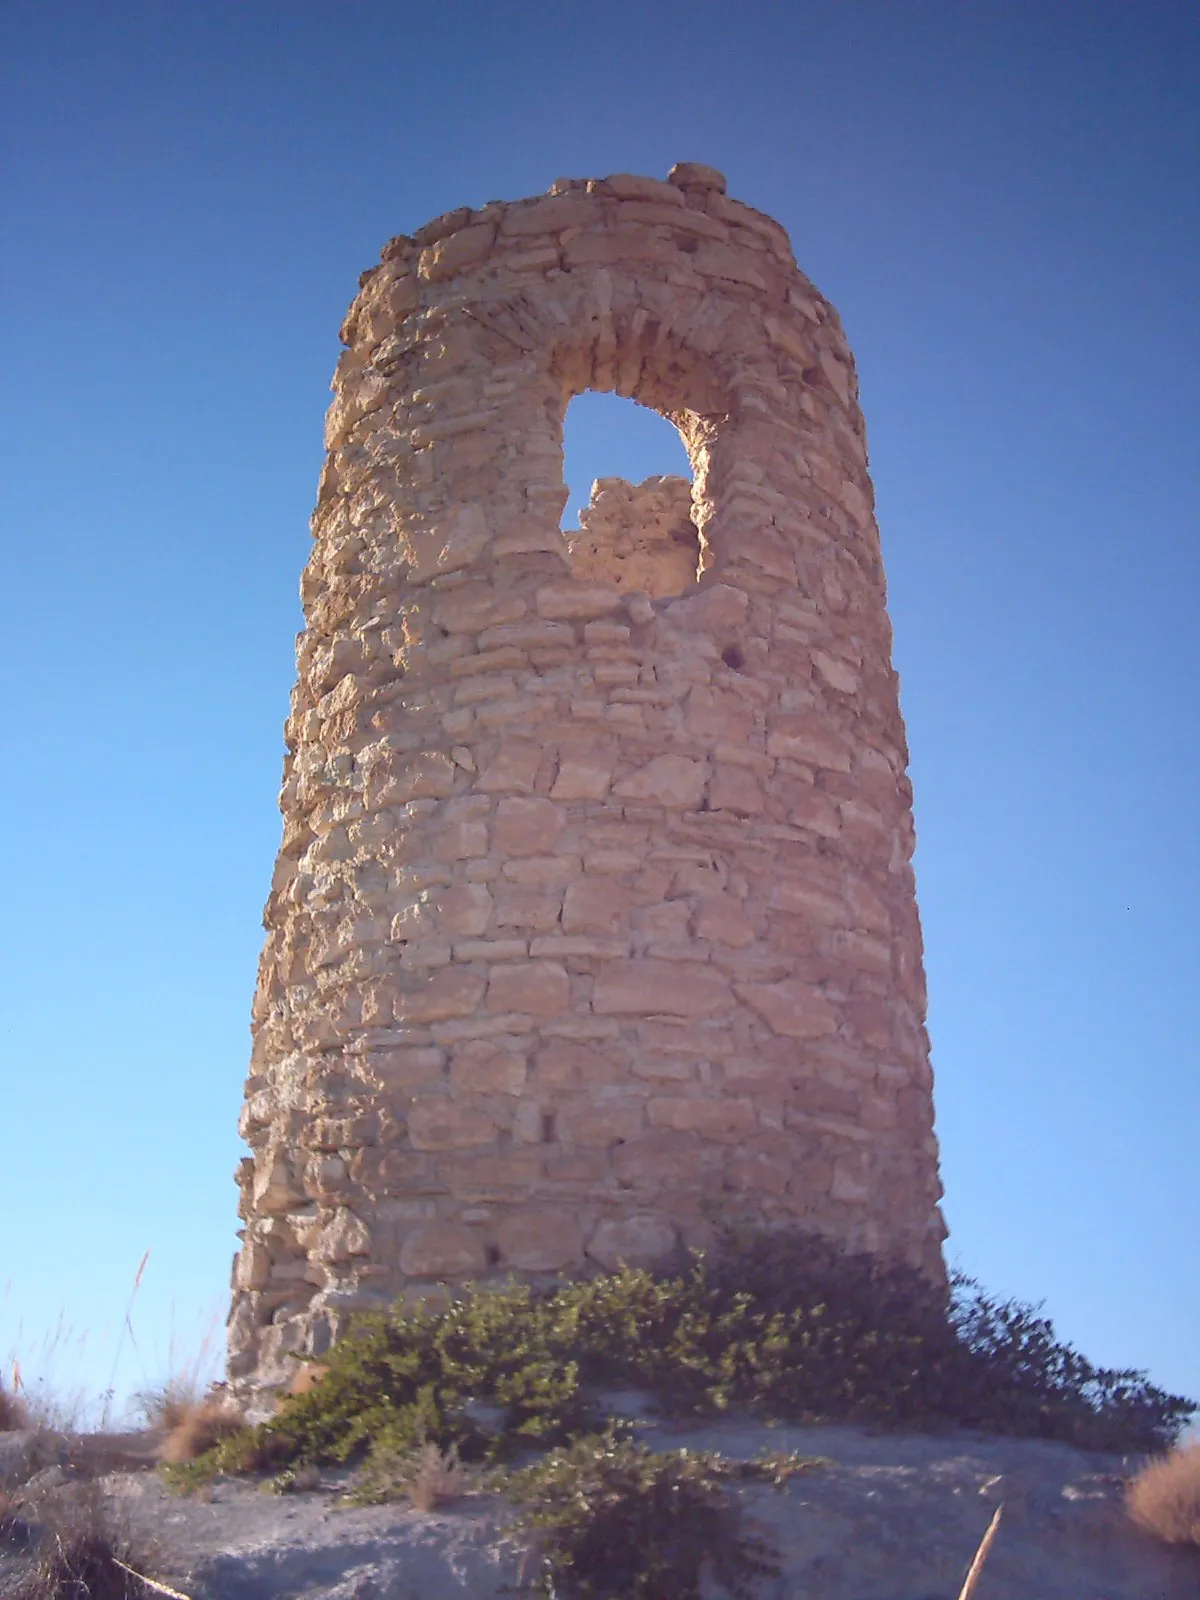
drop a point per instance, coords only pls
(883, 1517)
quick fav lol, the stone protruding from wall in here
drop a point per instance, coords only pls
(638, 536)
(593, 926)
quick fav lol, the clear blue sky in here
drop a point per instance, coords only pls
(1003, 201)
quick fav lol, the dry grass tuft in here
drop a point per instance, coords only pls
(190, 1427)
(14, 1528)
(1164, 1498)
(78, 1554)
(435, 1476)
(426, 1476)
(80, 1564)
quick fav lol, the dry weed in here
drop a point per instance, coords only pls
(14, 1527)
(428, 1476)
(192, 1427)
(435, 1476)
(1164, 1498)
(80, 1555)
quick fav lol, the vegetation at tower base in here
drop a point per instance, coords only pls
(609, 1518)
(784, 1327)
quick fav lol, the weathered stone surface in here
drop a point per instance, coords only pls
(638, 537)
(443, 1250)
(446, 994)
(791, 1009)
(651, 988)
(539, 1241)
(449, 1125)
(582, 776)
(594, 898)
(637, 1241)
(540, 987)
(595, 905)
(666, 781)
(527, 827)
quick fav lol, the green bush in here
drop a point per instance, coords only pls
(780, 1326)
(608, 1520)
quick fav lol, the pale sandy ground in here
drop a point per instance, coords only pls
(889, 1517)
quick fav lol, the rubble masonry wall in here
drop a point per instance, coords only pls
(593, 926)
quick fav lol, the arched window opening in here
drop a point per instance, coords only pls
(636, 530)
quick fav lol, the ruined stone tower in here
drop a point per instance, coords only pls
(593, 923)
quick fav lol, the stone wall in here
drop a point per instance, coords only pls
(638, 536)
(593, 925)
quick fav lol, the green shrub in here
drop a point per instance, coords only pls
(781, 1326)
(607, 1518)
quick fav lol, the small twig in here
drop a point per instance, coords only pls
(976, 1567)
(151, 1583)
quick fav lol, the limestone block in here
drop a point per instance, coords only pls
(527, 827)
(717, 1118)
(565, 1061)
(638, 1241)
(582, 776)
(628, 187)
(807, 738)
(491, 949)
(428, 776)
(539, 988)
(544, 872)
(539, 1241)
(735, 789)
(407, 1068)
(343, 1237)
(275, 1189)
(526, 906)
(651, 988)
(720, 917)
(666, 781)
(460, 841)
(510, 1175)
(567, 601)
(474, 607)
(448, 993)
(814, 901)
(602, 1122)
(464, 909)
(694, 175)
(838, 674)
(477, 1067)
(791, 1008)
(594, 904)
(673, 1160)
(665, 922)
(512, 770)
(437, 1124)
(462, 249)
(550, 215)
(443, 1250)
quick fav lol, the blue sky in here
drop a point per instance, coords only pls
(1001, 199)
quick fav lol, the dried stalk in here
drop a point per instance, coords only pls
(976, 1567)
(151, 1583)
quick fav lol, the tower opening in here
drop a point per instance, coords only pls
(636, 530)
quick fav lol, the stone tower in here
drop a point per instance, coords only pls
(593, 923)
